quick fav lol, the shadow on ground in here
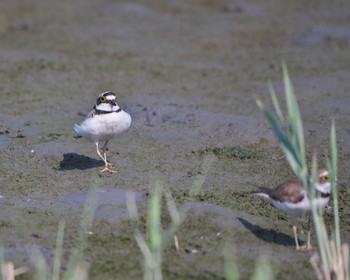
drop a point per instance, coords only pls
(73, 161)
(269, 235)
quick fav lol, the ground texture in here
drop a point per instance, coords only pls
(188, 72)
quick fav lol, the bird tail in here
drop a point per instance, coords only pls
(263, 192)
(77, 129)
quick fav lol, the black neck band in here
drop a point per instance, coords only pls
(324, 195)
(101, 112)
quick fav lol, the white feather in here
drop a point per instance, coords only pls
(263, 195)
(103, 127)
(301, 208)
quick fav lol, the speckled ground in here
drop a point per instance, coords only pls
(188, 72)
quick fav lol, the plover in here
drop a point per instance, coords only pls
(104, 122)
(292, 198)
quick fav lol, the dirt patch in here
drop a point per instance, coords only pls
(188, 72)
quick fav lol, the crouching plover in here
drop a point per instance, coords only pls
(292, 198)
(105, 121)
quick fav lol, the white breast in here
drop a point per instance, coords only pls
(301, 208)
(103, 127)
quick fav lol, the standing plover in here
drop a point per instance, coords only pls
(105, 121)
(291, 197)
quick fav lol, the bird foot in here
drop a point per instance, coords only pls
(304, 248)
(109, 168)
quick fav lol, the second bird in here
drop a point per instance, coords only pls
(292, 198)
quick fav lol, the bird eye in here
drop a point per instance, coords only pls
(324, 178)
(102, 98)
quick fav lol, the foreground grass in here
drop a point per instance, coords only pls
(76, 269)
(330, 262)
(332, 259)
(153, 244)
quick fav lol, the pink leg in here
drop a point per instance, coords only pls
(108, 166)
(295, 231)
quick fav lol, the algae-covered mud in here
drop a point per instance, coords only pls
(188, 72)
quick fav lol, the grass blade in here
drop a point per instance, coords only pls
(154, 220)
(58, 253)
(333, 176)
(294, 117)
(275, 103)
(285, 142)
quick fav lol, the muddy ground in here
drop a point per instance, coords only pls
(188, 72)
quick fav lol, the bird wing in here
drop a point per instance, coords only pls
(91, 113)
(290, 191)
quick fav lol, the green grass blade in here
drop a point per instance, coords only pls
(154, 221)
(231, 268)
(323, 243)
(294, 116)
(286, 144)
(320, 228)
(275, 103)
(158, 238)
(41, 266)
(172, 209)
(86, 224)
(263, 270)
(310, 188)
(58, 252)
(148, 256)
(292, 143)
(345, 253)
(2, 263)
(333, 176)
(200, 179)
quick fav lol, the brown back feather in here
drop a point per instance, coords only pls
(289, 191)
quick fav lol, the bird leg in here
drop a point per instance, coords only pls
(307, 247)
(104, 150)
(309, 225)
(108, 166)
(295, 231)
(308, 244)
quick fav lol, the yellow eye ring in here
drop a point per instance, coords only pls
(324, 178)
(102, 98)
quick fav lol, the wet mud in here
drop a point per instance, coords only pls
(188, 72)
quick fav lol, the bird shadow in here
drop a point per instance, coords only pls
(269, 235)
(73, 161)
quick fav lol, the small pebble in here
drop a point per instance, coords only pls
(191, 251)
(4, 131)
(20, 134)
